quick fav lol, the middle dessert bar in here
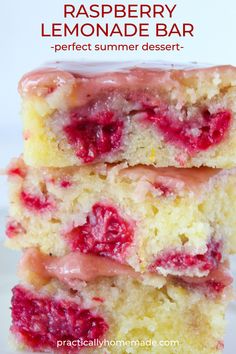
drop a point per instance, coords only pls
(165, 221)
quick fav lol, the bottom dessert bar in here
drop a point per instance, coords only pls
(116, 315)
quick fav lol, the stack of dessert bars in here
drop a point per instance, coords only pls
(124, 206)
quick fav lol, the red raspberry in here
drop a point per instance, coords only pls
(41, 321)
(194, 135)
(65, 184)
(164, 189)
(105, 233)
(34, 202)
(94, 136)
(16, 171)
(181, 261)
(14, 228)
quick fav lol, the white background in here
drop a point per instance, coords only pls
(22, 49)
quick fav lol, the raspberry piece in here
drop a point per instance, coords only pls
(105, 233)
(98, 299)
(16, 171)
(196, 134)
(215, 286)
(210, 287)
(65, 184)
(34, 202)
(14, 228)
(181, 261)
(164, 189)
(94, 136)
(42, 321)
(17, 168)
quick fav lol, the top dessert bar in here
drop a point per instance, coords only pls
(149, 113)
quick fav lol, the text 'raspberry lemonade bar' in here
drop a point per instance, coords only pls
(164, 115)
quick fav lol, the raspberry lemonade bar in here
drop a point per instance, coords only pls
(164, 221)
(49, 317)
(154, 114)
(118, 242)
